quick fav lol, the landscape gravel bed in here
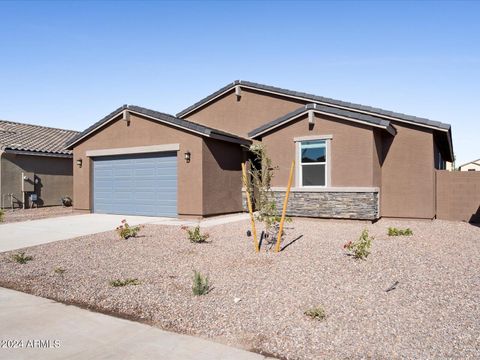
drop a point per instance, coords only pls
(35, 213)
(258, 300)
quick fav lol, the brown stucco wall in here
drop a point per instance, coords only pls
(239, 116)
(222, 177)
(144, 132)
(402, 166)
(54, 178)
(352, 150)
(378, 138)
(458, 195)
(408, 177)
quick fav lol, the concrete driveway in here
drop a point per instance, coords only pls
(19, 235)
(29, 233)
(38, 328)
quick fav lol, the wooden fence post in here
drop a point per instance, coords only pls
(249, 204)
(280, 231)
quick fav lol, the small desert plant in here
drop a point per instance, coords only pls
(392, 231)
(317, 313)
(195, 236)
(2, 214)
(200, 284)
(124, 282)
(59, 270)
(360, 248)
(126, 231)
(21, 258)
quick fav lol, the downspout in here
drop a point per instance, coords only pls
(1, 157)
(2, 195)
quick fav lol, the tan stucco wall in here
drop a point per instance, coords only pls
(209, 184)
(352, 150)
(222, 177)
(144, 132)
(252, 110)
(408, 176)
(54, 175)
(458, 195)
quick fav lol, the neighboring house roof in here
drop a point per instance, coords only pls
(34, 138)
(327, 110)
(163, 118)
(318, 99)
(475, 162)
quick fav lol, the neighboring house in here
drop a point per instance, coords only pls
(471, 166)
(352, 161)
(35, 168)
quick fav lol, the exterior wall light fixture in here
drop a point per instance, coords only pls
(187, 156)
(79, 162)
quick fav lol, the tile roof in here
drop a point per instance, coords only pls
(346, 114)
(161, 117)
(315, 98)
(34, 138)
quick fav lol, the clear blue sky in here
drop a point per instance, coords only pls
(67, 64)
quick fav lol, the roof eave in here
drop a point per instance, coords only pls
(305, 97)
(303, 111)
(36, 153)
(207, 132)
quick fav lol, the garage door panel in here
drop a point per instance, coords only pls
(150, 172)
(126, 173)
(123, 184)
(105, 172)
(147, 196)
(143, 184)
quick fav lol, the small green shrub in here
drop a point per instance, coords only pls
(200, 284)
(360, 248)
(124, 282)
(317, 313)
(2, 215)
(392, 231)
(59, 270)
(195, 236)
(126, 231)
(21, 258)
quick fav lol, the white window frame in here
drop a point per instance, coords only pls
(298, 160)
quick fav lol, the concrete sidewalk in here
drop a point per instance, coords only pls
(74, 333)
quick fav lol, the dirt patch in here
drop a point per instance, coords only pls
(258, 300)
(36, 213)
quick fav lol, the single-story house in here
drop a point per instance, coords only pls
(352, 161)
(35, 168)
(470, 166)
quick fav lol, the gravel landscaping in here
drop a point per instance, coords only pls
(258, 300)
(35, 213)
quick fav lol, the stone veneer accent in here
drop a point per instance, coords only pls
(329, 204)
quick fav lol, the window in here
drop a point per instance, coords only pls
(313, 163)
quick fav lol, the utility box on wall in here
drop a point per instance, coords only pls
(28, 183)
